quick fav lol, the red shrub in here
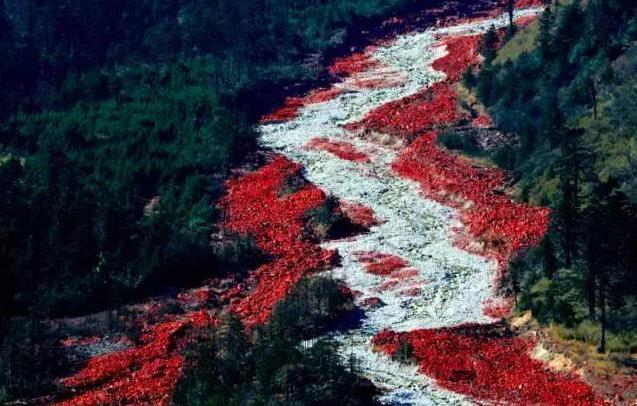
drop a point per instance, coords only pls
(391, 284)
(144, 374)
(80, 341)
(358, 214)
(292, 105)
(429, 108)
(147, 374)
(487, 366)
(253, 206)
(371, 302)
(505, 226)
(462, 52)
(378, 83)
(354, 63)
(413, 291)
(341, 149)
(529, 3)
(195, 297)
(288, 111)
(381, 264)
(322, 95)
(405, 274)
(493, 218)
(482, 121)
(498, 308)
(526, 20)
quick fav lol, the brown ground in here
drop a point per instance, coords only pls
(611, 375)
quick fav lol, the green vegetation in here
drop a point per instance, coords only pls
(115, 194)
(624, 341)
(524, 39)
(522, 42)
(273, 366)
(29, 362)
(47, 46)
(405, 353)
(571, 101)
(116, 134)
(465, 141)
(119, 122)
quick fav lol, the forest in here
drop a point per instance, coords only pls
(119, 122)
(569, 101)
(84, 150)
(132, 169)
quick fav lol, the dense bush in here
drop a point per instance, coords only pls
(273, 366)
(569, 101)
(29, 362)
(110, 192)
(48, 46)
(119, 121)
(465, 141)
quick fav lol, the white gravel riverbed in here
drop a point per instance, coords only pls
(454, 284)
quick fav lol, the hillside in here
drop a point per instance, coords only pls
(561, 87)
(318, 203)
(572, 118)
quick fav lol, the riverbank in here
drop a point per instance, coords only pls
(437, 235)
(429, 283)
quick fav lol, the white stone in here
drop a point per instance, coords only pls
(454, 283)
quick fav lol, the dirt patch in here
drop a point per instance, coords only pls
(607, 374)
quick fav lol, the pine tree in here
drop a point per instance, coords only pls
(545, 36)
(489, 45)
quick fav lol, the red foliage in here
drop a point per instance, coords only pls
(146, 374)
(195, 297)
(292, 105)
(322, 95)
(413, 291)
(505, 226)
(491, 217)
(498, 308)
(619, 387)
(288, 111)
(432, 107)
(482, 121)
(371, 302)
(528, 3)
(405, 274)
(80, 341)
(346, 66)
(346, 291)
(391, 284)
(381, 264)
(477, 362)
(358, 214)
(354, 63)
(378, 83)
(341, 149)
(526, 20)
(253, 206)
(406, 117)
(462, 52)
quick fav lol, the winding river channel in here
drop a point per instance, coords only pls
(439, 231)
(440, 285)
